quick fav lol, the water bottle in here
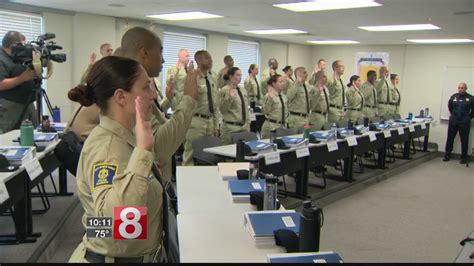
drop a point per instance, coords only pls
(366, 121)
(26, 133)
(334, 131)
(270, 193)
(310, 228)
(410, 116)
(253, 170)
(427, 112)
(240, 149)
(252, 105)
(273, 134)
(422, 113)
(306, 131)
(56, 114)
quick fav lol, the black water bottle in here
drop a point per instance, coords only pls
(366, 121)
(240, 156)
(310, 228)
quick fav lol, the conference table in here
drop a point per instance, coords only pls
(320, 154)
(210, 226)
(18, 185)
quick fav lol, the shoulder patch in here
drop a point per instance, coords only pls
(103, 174)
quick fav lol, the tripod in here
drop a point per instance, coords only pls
(40, 95)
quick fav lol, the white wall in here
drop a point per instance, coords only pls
(421, 70)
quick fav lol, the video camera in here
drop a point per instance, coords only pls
(38, 54)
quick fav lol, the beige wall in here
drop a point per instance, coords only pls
(421, 69)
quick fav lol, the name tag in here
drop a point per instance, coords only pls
(253, 117)
(423, 126)
(33, 168)
(411, 128)
(351, 141)
(3, 193)
(401, 131)
(303, 152)
(372, 137)
(288, 221)
(272, 158)
(256, 185)
(387, 134)
(332, 146)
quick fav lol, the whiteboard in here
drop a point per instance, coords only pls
(453, 75)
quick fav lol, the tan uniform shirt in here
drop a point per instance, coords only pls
(165, 104)
(355, 99)
(395, 93)
(203, 102)
(298, 99)
(179, 76)
(221, 82)
(272, 107)
(337, 90)
(231, 106)
(86, 120)
(319, 100)
(253, 88)
(370, 94)
(288, 84)
(113, 172)
(263, 82)
(384, 95)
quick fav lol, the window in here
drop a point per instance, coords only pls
(30, 25)
(173, 42)
(244, 54)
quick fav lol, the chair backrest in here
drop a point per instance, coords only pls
(280, 132)
(327, 126)
(203, 158)
(244, 135)
(343, 123)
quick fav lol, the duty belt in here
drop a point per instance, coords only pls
(234, 123)
(275, 121)
(384, 103)
(319, 112)
(299, 114)
(335, 106)
(370, 106)
(203, 116)
(355, 109)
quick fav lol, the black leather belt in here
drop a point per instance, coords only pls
(320, 112)
(384, 103)
(98, 258)
(370, 106)
(298, 114)
(393, 104)
(203, 116)
(234, 123)
(354, 109)
(275, 121)
(335, 106)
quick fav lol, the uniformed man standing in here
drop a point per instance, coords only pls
(396, 97)
(461, 107)
(228, 62)
(234, 104)
(337, 93)
(252, 85)
(320, 66)
(298, 100)
(383, 92)
(206, 118)
(370, 95)
(272, 70)
(275, 106)
(105, 50)
(355, 99)
(319, 101)
(288, 75)
(177, 75)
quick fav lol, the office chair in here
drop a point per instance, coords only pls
(203, 158)
(244, 135)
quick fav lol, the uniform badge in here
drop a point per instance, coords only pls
(455, 99)
(103, 174)
(467, 99)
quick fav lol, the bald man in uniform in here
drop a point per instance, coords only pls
(206, 119)
(337, 93)
(272, 70)
(177, 74)
(298, 100)
(383, 92)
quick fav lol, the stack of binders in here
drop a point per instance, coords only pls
(240, 189)
(18, 155)
(261, 224)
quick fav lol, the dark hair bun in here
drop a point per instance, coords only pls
(81, 94)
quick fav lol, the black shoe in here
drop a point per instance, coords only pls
(463, 161)
(446, 158)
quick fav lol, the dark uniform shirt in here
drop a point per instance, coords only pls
(8, 69)
(461, 107)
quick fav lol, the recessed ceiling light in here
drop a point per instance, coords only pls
(400, 27)
(276, 31)
(440, 40)
(320, 5)
(185, 16)
(333, 42)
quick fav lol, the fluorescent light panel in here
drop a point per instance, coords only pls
(184, 16)
(276, 31)
(440, 40)
(333, 42)
(400, 27)
(320, 5)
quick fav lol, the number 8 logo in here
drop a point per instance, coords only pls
(129, 217)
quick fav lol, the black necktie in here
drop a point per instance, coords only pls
(258, 89)
(283, 122)
(242, 104)
(327, 100)
(399, 97)
(388, 92)
(375, 97)
(158, 94)
(307, 98)
(343, 94)
(362, 99)
(209, 96)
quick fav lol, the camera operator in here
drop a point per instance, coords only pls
(16, 87)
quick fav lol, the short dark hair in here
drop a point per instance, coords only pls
(285, 69)
(393, 76)
(251, 67)
(321, 60)
(137, 38)
(371, 73)
(199, 53)
(10, 38)
(352, 79)
(105, 77)
(230, 72)
(334, 64)
(103, 45)
(273, 79)
(298, 69)
(227, 58)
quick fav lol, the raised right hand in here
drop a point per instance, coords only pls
(143, 129)
(92, 58)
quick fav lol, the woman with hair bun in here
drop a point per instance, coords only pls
(355, 99)
(116, 167)
(275, 106)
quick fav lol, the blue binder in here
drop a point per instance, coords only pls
(292, 141)
(263, 223)
(310, 257)
(257, 145)
(243, 187)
